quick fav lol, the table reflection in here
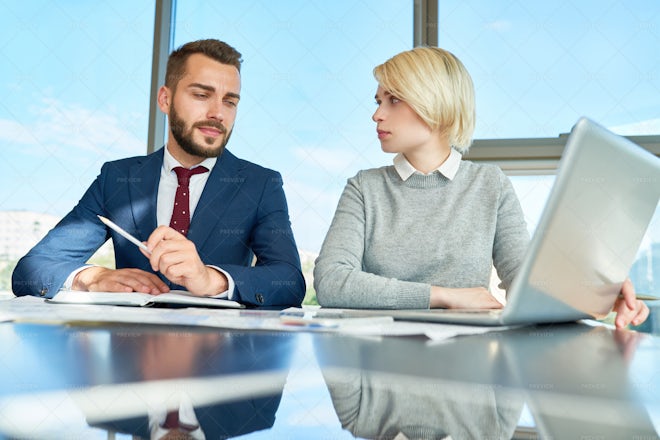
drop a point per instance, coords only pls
(384, 406)
(224, 410)
(575, 380)
(154, 382)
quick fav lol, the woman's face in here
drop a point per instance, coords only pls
(399, 128)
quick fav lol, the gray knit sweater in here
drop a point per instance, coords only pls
(391, 240)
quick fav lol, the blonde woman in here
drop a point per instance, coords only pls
(426, 231)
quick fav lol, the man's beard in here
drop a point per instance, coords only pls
(185, 138)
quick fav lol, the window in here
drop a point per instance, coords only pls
(75, 87)
(538, 67)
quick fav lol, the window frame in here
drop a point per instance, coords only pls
(534, 156)
(520, 156)
(163, 42)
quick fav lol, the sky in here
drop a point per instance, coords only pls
(538, 66)
(75, 84)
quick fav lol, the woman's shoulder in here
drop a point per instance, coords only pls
(372, 175)
(479, 170)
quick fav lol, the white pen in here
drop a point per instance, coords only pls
(124, 234)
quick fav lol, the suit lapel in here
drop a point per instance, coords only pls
(143, 192)
(223, 184)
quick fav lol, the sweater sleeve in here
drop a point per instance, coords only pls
(339, 278)
(511, 236)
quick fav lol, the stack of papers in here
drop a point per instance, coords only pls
(313, 319)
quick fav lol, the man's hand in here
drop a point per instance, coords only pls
(468, 298)
(176, 257)
(102, 279)
(629, 310)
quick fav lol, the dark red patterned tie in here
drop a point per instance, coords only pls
(181, 212)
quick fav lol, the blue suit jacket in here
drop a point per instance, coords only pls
(242, 212)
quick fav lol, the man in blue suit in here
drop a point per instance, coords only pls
(237, 210)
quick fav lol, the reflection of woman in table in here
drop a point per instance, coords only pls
(381, 406)
(577, 380)
(376, 404)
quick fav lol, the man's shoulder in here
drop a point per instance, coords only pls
(128, 162)
(233, 161)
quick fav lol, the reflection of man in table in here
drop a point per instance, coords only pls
(218, 413)
(172, 356)
(203, 213)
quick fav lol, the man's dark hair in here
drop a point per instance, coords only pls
(214, 49)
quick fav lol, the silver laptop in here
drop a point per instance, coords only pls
(604, 197)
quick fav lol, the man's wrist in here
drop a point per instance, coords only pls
(228, 293)
(218, 282)
(82, 279)
(68, 283)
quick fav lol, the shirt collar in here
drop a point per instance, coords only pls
(448, 168)
(169, 162)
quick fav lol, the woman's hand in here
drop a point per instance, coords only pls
(464, 298)
(628, 309)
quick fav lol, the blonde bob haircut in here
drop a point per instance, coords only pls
(437, 86)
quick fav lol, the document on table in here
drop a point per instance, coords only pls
(137, 299)
(312, 319)
(433, 331)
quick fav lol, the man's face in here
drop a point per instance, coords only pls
(184, 135)
(202, 109)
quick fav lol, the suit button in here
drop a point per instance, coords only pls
(44, 291)
(260, 298)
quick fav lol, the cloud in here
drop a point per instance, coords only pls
(499, 25)
(330, 159)
(70, 125)
(640, 128)
(14, 132)
(338, 160)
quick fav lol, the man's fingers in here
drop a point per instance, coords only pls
(176, 259)
(111, 287)
(163, 233)
(128, 280)
(163, 242)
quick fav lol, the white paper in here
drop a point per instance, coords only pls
(33, 309)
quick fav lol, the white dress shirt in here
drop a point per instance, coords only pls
(448, 168)
(169, 183)
(187, 416)
(167, 192)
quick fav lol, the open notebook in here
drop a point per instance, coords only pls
(137, 299)
(604, 197)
